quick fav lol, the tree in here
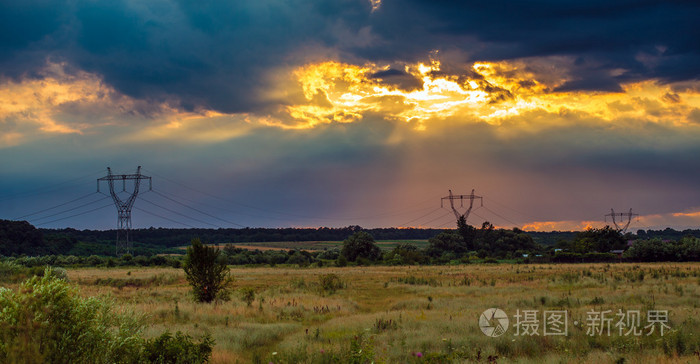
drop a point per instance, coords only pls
(360, 245)
(206, 271)
(446, 242)
(468, 233)
(20, 237)
(600, 240)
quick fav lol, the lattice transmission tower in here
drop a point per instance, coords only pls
(614, 214)
(471, 197)
(124, 206)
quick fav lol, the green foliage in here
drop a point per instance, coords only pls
(360, 245)
(468, 234)
(9, 270)
(656, 250)
(330, 283)
(206, 271)
(20, 237)
(248, 295)
(446, 242)
(299, 258)
(598, 240)
(178, 349)
(405, 254)
(361, 350)
(47, 321)
(342, 261)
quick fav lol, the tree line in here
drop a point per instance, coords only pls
(70, 247)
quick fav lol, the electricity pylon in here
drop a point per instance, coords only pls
(124, 207)
(614, 214)
(471, 197)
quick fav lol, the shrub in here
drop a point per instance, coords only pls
(169, 349)
(9, 269)
(206, 271)
(47, 321)
(341, 261)
(330, 283)
(299, 259)
(248, 295)
(94, 261)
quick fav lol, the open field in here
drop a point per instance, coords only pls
(394, 313)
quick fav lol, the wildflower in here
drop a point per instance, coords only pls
(418, 354)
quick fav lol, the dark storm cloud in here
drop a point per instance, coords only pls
(216, 54)
(399, 79)
(212, 55)
(642, 38)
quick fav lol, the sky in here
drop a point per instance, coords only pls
(274, 113)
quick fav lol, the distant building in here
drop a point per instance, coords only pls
(617, 252)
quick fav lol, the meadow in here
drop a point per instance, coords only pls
(414, 314)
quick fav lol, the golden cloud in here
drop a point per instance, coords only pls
(513, 96)
(484, 92)
(62, 103)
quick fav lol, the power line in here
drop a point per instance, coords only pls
(490, 199)
(217, 197)
(200, 211)
(165, 218)
(46, 189)
(68, 217)
(225, 209)
(54, 207)
(439, 217)
(479, 216)
(69, 210)
(422, 216)
(388, 213)
(505, 219)
(445, 224)
(177, 213)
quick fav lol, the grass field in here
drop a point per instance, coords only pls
(417, 314)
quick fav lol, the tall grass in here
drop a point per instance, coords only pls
(402, 311)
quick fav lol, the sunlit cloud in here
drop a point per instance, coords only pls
(512, 96)
(492, 93)
(62, 102)
(203, 127)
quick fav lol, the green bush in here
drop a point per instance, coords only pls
(248, 295)
(341, 261)
(47, 321)
(178, 349)
(330, 283)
